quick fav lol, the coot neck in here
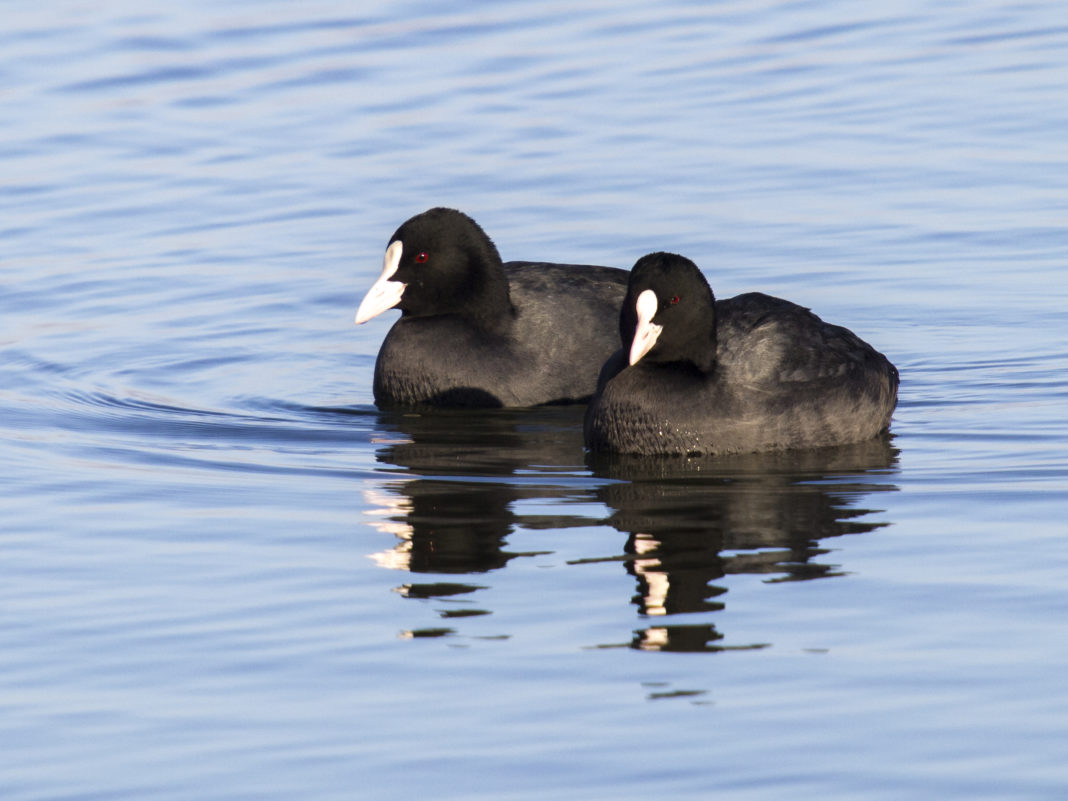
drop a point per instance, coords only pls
(489, 305)
(705, 360)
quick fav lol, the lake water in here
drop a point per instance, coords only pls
(225, 575)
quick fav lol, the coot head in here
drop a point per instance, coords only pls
(669, 314)
(439, 262)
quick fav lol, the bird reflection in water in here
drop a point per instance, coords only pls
(451, 507)
(689, 522)
(693, 521)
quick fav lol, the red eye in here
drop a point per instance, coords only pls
(421, 257)
(674, 300)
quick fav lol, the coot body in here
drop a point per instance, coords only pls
(752, 373)
(474, 332)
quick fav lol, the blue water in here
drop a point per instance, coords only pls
(225, 575)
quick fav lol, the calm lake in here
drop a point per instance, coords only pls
(224, 574)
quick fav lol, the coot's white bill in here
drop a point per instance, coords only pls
(645, 335)
(384, 294)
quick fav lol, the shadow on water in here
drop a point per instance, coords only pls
(688, 522)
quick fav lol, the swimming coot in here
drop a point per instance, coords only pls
(474, 332)
(752, 373)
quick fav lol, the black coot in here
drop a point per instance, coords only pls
(752, 373)
(474, 332)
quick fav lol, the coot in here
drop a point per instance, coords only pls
(752, 373)
(474, 332)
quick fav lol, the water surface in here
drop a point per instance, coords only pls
(225, 574)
